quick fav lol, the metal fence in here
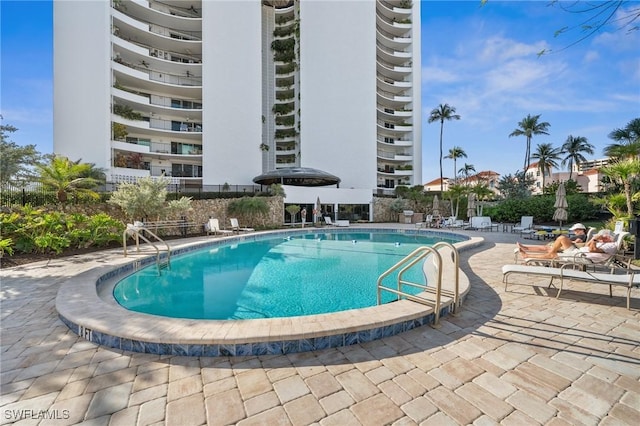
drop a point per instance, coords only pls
(37, 195)
(34, 194)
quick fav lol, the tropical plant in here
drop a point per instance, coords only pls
(15, 160)
(119, 131)
(178, 208)
(141, 200)
(455, 193)
(517, 185)
(466, 170)
(293, 210)
(276, 190)
(34, 230)
(68, 178)
(482, 191)
(442, 113)
(547, 157)
(248, 207)
(6, 246)
(628, 141)
(529, 127)
(624, 172)
(570, 186)
(574, 148)
(455, 153)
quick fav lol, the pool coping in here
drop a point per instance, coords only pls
(105, 322)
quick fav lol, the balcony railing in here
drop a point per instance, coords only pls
(404, 37)
(161, 76)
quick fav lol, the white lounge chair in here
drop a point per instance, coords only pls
(629, 280)
(525, 226)
(328, 220)
(214, 228)
(235, 227)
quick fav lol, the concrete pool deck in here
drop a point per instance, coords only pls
(516, 357)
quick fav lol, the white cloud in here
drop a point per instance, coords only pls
(591, 56)
(499, 49)
(438, 75)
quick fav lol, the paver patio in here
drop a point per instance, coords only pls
(517, 357)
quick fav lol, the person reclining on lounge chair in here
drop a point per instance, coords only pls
(599, 248)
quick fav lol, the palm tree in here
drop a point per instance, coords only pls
(624, 172)
(67, 177)
(466, 170)
(442, 113)
(574, 147)
(628, 139)
(529, 127)
(455, 153)
(547, 157)
(482, 191)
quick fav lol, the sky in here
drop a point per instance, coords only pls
(481, 60)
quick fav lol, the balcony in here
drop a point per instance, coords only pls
(392, 114)
(396, 127)
(396, 142)
(394, 156)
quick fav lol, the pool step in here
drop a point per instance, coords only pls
(164, 263)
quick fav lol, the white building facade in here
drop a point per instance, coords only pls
(215, 93)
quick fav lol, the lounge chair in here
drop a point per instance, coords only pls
(525, 226)
(328, 220)
(585, 260)
(566, 272)
(235, 227)
(214, 228)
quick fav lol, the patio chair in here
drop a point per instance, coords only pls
(235, 227)
(525, 226)
(214, 228)
(626, 280)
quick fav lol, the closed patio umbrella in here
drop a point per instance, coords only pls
(436, 206)
(317, 213)
(561, 214)
(471, 205)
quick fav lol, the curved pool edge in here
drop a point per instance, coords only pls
(106, 323)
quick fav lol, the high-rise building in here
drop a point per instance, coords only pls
(215, 92)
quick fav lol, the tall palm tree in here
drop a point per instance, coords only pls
(628, 141)
(529, 127)
(574, 147)
(67, 177)
(466, 170)
(442, 113)
(455, 153)
(547, 157)
(624, 172)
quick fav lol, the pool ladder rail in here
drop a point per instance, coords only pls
(138, 231)
(441, 264)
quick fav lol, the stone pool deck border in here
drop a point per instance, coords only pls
(91, 312)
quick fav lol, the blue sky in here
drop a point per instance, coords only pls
(481, 60)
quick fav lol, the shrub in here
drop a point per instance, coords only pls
(36, 231)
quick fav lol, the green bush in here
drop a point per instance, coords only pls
(541, 208)
(34, 230)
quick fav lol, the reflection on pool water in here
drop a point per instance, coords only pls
(276, 277)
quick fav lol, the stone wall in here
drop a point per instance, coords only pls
(200, 212)
(217, 208)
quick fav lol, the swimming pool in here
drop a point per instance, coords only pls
(85, 303)
(309, 274)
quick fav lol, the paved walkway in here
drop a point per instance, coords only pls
(515, 358)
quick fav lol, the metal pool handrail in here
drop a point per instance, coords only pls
(135, 230)
(410, 261)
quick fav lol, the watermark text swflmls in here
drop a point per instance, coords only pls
(36, 414)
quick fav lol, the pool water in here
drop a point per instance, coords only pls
(276, 277)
